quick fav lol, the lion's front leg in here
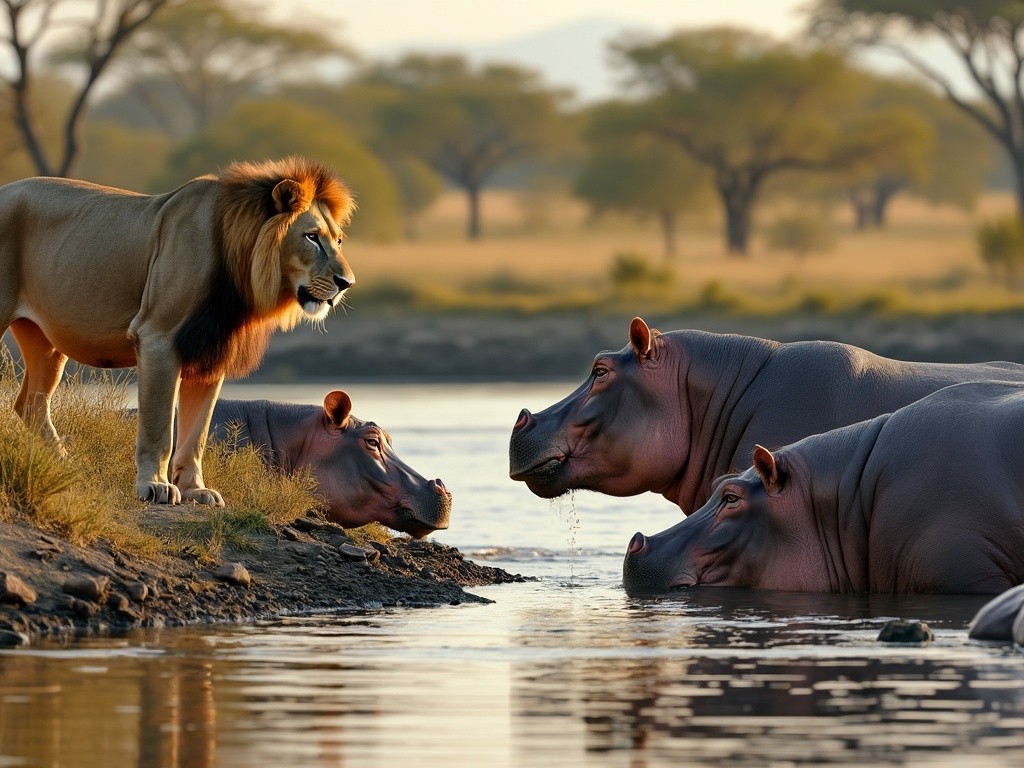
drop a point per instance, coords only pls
(195, 407)
(159, 375)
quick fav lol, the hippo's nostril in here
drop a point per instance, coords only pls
(637, 544)
(439, 486)
(525, 417)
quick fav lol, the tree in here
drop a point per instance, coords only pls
(631, 172)
(121, 157)
(467, 124)
(28, 26)
(418, 187)
(985, 36)
(747, 108)
(271, 128)
(199, 58)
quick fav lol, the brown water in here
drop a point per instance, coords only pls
(566, 671)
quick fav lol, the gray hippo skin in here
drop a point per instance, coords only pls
(1001, 618)
(927, 499)
(358, 473)
(671, 412)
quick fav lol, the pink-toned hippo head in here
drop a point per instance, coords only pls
(754, 531)
(362, 478)
(621, 432)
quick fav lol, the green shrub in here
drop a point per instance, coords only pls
(801, 234)
(631, 269)
(1001, 247)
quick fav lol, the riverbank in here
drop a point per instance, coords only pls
(51, 589)
(410, 345)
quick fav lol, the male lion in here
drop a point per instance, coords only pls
(187, 286)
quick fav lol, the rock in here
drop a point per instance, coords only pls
(14, 590)
(91, 588)
(117, 602)
(310, 524)
(83, 608)
(382, 548)
(11, 639)
(427, 572)
(136, 590)
(900, 631)
(233, 573)
(353, 552)
(372, 555)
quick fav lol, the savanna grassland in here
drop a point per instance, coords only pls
(547, 254)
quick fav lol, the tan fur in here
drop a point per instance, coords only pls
(187, 286)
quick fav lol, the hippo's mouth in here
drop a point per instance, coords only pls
(409, 522)
(544, 468)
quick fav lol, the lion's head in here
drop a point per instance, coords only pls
(281, 224)
(277, 230)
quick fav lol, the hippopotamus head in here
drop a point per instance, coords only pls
(750, 533)
(621, 432)
(363, 479)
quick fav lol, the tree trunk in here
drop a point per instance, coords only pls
(738, 203)
(861, 215)
(668, 232)
(473, 228)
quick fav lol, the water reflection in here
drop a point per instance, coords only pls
(551, 676)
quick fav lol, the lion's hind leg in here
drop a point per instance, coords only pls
(44, 366)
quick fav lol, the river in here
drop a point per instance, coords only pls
(564, 671)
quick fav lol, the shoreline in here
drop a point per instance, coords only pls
(54, 591)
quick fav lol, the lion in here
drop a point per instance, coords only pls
(186, 286)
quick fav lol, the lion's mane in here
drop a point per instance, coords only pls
(243, 304)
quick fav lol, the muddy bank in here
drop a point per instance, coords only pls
(409, 345)
(52, 589)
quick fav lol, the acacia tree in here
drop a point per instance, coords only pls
(28, 27)
(747, 108)
(985, 36)
(199, 58)
(632, 172)
(468, 124)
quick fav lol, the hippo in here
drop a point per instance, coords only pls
(671, 412)
(1001, 618)
(360, 476)
(927, 499)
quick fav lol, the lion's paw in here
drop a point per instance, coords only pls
(158, 493)
(206, 496)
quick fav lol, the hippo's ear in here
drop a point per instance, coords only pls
(766, 466)
(338, 407)
(641, 339)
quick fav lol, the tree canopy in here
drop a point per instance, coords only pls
(467, 123)
(747, 108)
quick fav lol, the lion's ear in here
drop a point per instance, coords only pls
(291, 197)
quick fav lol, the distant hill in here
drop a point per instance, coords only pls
(574, 54)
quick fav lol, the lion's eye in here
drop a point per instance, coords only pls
(311, 236)
(730, 498)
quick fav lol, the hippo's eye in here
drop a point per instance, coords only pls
(730, 498)
(599, 371)
(373, 443)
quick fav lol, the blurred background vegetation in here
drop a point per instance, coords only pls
(732, 172)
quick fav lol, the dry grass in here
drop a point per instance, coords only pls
(925, 261)
(90, 495)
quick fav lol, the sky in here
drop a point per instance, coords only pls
(384, 24)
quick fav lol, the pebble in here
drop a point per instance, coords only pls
(353, 552)
(233, 573)
(12, 639)
(14, 590)
(136, 590)
(117, 602)
(91, 588)
(900, 631)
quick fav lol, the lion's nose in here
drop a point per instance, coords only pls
(343, 283)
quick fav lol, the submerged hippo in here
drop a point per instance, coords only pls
(927, 499)
(1001, 618)
(359, 475)
(671, 412)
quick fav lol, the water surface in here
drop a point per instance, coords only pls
(565, 671)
